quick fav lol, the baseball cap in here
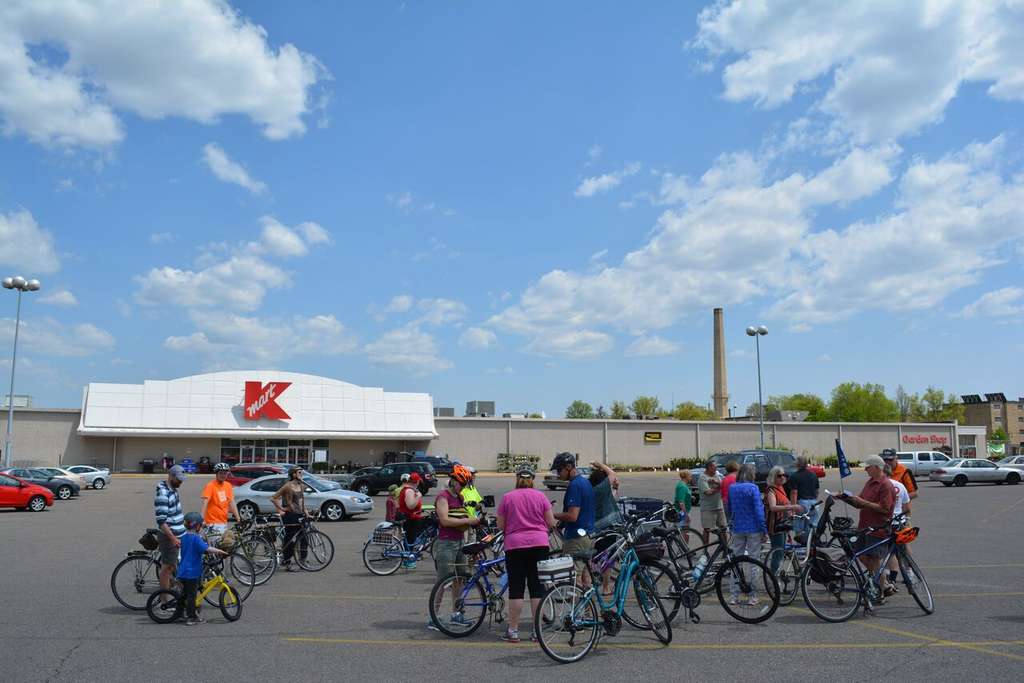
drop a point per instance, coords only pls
(415, 477)
(178, 472)
(873, 460)
(888, 454)
(525, 473)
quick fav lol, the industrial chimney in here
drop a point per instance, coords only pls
(721, 395)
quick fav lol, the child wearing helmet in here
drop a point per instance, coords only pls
(190, 567)
(453, 521)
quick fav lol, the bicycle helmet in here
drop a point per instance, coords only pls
(563, 460)
(222, 467)
(907, 535)
(193, 520)
(461, 474)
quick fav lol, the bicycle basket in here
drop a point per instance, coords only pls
(149, 541)
(555, 569)
(907, 535)
(227, 541)
(822, 570)
(383, 534)
(648, 548)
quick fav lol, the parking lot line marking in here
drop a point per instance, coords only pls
(337, 596)
(940, 642)
(999, 512)
(974, 566)
(979, 595)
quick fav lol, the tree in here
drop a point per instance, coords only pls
(937, 407)
(601, 413)
(853, 402)
(688, 410)
(908, 405)
(999, 434)
(579, 410)
(645, 406)
(535, 416)
(809, 403)
(753, 410)
(619, 411)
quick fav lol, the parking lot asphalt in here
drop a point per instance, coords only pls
(61, 623)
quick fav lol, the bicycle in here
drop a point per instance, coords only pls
(387, 549)
(228, 599)
(567, 611)
(835, 587)
(471, 602)
(791, 558)
(313, 550)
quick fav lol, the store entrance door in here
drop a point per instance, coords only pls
(298, 455)
(279, 455)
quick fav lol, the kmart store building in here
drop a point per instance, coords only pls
(297, 418)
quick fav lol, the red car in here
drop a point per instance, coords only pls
(240, 474)
(15, 493)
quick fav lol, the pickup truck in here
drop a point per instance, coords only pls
(762, 460)
(921, 463)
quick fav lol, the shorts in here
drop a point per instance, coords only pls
(521, 564)
(712, 519)
(168, 552)
(578, 545)
(866, 541)
(448, 559)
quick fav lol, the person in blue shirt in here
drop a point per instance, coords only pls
(577, 515)
(749, 531)
(190, 567)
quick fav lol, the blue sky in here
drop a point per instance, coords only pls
(524, 202)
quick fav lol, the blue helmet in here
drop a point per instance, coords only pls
(193, 520)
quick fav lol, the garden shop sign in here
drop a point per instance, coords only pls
(923, 439)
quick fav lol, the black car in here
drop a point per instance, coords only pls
(440, 465)
(374, 482)
(762, 460)
(62, 488)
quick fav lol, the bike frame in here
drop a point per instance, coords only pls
(483, 569)
(618, 601)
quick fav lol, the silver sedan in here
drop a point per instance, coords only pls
(1014, 462)
(974, 471)
(96, 477)
(334, 502)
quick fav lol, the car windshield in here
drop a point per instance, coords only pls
(954, 463)
(321, 484)
(722, 459)
(1006, 461)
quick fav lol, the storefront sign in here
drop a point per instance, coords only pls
(652, 437)
(261, 401)
(915, 439)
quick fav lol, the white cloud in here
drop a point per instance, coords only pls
(588, 187)
(50, 337)
(436, 248)
(162, 237)
(1007, 302)
(280, 240)
(573, 344)
(24, 244)
(651, 346)
(400, 303)
(407, 203)
(440, 311)
(504, 370)
(314, 233)
(888, 68)
(230, 171)
(197, 59)
(61, 297)
(477, 338)
(408, 348)
(238, 283)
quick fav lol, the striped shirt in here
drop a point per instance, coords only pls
(167, 505)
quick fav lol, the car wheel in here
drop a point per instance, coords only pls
(960, 480)
(64, 492)
(98, 483)
(247, 510)
(363, 488)
(333, 511)
(947, 483)
(1013, 478)
(37, 504)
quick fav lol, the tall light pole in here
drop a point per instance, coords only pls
(756, 333)
(21, 285)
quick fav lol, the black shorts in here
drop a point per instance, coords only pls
(521, 565)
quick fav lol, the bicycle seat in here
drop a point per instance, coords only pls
(474, 548)
(662, 532)
(583, 555)
(846, 533)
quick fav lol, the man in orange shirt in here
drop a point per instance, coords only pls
(900, 472)
(219, 499)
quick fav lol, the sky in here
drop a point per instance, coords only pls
(523, 202)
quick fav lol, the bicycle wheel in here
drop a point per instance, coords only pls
(680, 554)
(454, 615)
(315, 550)
(667, 586)
(134, 579)
(916, 584)
(652, 607)
(753, 590)
(831, 587)
(263, 556)
(383, 560)
(230, 604)
(574, 624)
(156, 611)
(788, 573)
(242, 571)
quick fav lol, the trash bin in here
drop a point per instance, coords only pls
(147, 465)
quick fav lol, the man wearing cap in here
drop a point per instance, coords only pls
(171, 521)
(875, 503)
(900, 472)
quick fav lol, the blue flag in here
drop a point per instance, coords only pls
(844, 467)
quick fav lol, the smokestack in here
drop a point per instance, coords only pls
(721, 392)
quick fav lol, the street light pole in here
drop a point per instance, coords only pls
(22, 285)
(756, 333)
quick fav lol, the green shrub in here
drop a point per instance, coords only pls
(320, 467)
(685, 463)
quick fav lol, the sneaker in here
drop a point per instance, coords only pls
(533, 637)
(510, 636)
(168, 606)
(888, 590)
(432, 626)
(292, 568)
(409, 565)
(753, 601)
(734, 600)
(459, 619)
(193, 622)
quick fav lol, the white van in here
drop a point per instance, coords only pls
(921, 463)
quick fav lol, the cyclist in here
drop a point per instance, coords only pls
(875, 503)
(900, 473)
(712, 514)
(191, 568)
(410, 505)
(605, 483)
(292, 508)
(748, 525)
(525, 516)
(901, 506)
(779, 509)
(683, 500)
(453, 519)
(803, 490)
(171, 522)
(577, 515)
(219, 499)
(732, 468)
(471, 498)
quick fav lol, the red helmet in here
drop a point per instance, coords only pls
(415, 478)
(461, 474)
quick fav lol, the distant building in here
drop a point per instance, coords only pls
(785, 415)
(995, 412)
(20, 401)
(480, 409)
(444, 412)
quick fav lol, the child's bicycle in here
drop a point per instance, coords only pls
(386, 549)
(228, 600)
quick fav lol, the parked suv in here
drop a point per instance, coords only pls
(441, 465)
(762, 460)
(387, 475)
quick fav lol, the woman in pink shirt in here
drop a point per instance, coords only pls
(525, 516)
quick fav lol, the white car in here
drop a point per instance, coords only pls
(96, 477)
(974, 471)
(1014, 462)
(67, 474)
(333, 502)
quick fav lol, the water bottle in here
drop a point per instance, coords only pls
(698, 571)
